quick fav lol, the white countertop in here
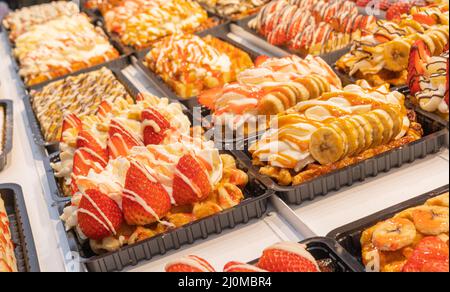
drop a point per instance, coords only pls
(244, 243)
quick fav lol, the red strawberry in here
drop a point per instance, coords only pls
(155, 126)
(85, 159)
(191, 181)
(208, 97)
(104, 108)
(397, 9)
(98, 215)
(71, 121)
(116, 128)
(236, 267)
(117, 147)
(287, 257)
(424, 19)
(85, 139)
(189, 264)
(145, 200)
(416, 68)
(362, 3)
(446, 47)
(430, 255)
(140, 97)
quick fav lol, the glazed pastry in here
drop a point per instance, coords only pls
(383, 56)
(22, 20)
(139, 23)
(313, 26)
(81, 95)
(7, 256)
(61, 46)
(190, 64)
(420, 243)
(271, 87)
(137, 170)
(428, 79)
(235, 9)
(337, 129)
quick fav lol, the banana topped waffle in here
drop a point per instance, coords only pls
(7, 256)
(312, 26)
(81, 94)
(138, 170)
(139, 23)
(414, 240)
(235, 9)
(271, 87)
(190, 64)
(61, 46)
(383, 56)
(428, 79)
(22, 20)
(338, 129)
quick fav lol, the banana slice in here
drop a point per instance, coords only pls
(429, 41)
(303, 93)
(396, 55)
(388, 125)
(311, 86)
(377, 127)
(344, 136)
(397, 119)
(351, 133)
(270, 105)
(361, 135)
(326, 145)
(367, 128)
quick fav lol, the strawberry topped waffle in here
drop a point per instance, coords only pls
(137, 170)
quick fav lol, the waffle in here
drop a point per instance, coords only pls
(7, 257)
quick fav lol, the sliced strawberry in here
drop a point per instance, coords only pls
(287, 257)
(140, 97)
(189, 264)
(117, 146)
(98, 215)
(85, 160)
(208, 97)
(71, 121)
(85, 139)
(424, 19)
(430, 255)
(191, 182)
(416, 68)
(104, 109)
(381, 38)
(155, 126)
(237, 267)
(120, 132)
(145, 200)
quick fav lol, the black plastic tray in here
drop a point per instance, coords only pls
(322, 248)
(25, 249)
(54, 183)
(219, 32)
(348, 236)
(7, 106)
(115, 66)
(435, 137)
(254, 206)
(329, 58)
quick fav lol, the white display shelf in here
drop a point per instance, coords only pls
(245, 242)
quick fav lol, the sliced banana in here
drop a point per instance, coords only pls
(396, 55)
(388, 125)
(429, 41)
(344, 136)
(397, 119)
(326, 145)
(361, 135)
(311, 86)
(377, 127)
(368, 131)
(352, 135)
(270, 105)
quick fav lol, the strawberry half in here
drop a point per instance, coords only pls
(424, 19)
(145, 200)
(85, 139)
(191, 181)
(208, 97)
(287, 257)
(104, 109)
(155, 126)
(430, 255)
(121, 140)
(98, 215)
(416, 67)
(86, 159)
(189, 264)
(71, 121)
(237, 267)
(397, 9)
